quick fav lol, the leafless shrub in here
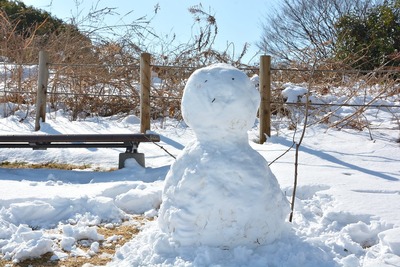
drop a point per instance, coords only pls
(93, 74)
(95, 71)
(302, 30)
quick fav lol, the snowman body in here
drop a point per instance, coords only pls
(219, 191)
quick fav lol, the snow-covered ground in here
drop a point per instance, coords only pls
(347, 210)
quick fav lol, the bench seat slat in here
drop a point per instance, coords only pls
(62, 145)
(100, 138)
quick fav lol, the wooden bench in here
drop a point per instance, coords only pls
(42, 142)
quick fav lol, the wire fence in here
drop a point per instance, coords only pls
(107, 89)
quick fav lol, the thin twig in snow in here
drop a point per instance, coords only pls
(296, 163)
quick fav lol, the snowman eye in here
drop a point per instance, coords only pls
(233, 79)
(205, 81)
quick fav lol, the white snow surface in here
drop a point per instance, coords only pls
(347, 210)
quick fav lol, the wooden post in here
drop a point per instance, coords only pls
(145, 76)
(265, 93)
(43, 77)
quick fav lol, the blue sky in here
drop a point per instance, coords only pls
(238, 21)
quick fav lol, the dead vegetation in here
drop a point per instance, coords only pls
(91, 75)
(48, 165)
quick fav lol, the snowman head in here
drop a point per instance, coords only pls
(219, 101)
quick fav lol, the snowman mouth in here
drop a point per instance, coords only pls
(221, 99)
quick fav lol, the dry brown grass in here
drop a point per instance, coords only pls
(125, 232)
(48, 165)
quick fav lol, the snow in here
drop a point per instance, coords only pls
(207, 190)
(139, 200)
(219, 102)
(26, 243)
(293, 93)
(10, 70)
(346, 211)
(388, 239)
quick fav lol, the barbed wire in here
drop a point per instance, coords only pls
(337, 104)
(135, 66)
(72, 94)
(337, 71)
(249, 68)
(179, 98)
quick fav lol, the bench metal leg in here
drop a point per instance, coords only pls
(139, 157)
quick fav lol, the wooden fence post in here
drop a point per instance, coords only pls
(43, 77)
(145, 76)
(265, 93)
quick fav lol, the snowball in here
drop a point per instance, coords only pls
(219, 101)
(95, 247)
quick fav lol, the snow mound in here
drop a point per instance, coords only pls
(255, 79)
(391, 240)
(26, 243)
(294, 94)
(154, 248)
(47, 213)
(139, 200)
(387, 252)
(131, 119)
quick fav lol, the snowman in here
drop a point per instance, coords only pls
(220, 192)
